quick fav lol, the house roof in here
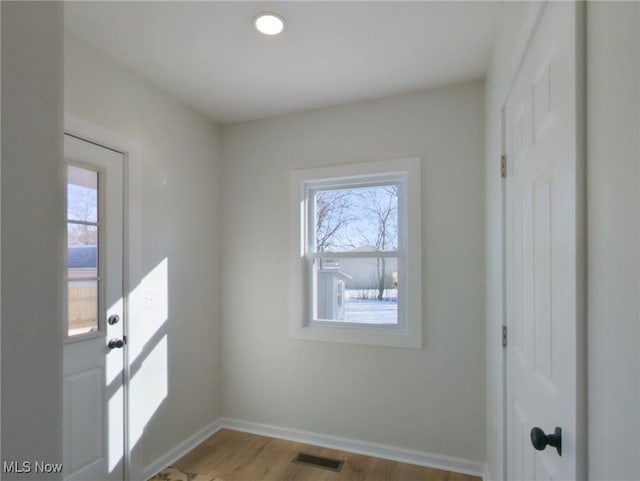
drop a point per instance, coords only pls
(82, 257)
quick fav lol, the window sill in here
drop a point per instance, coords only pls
(350, 334)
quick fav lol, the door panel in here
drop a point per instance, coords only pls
(542, 317)
(84, 392)
(93, 407)
(541, 249)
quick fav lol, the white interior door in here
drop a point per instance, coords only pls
(542, 252)
(93, 413)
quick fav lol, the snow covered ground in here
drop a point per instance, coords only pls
(371, 311)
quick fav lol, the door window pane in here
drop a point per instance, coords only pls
(82, 251)
(82, 307)
(80, 234)
(82, 194)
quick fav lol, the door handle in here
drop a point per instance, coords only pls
(113, 319)
(540, 440)
(116, 343)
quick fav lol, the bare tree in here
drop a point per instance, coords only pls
(82, 235)
(333, 214)
(359, 217)
(82, 207)
(381, 206)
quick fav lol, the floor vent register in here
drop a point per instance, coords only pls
(318, 462)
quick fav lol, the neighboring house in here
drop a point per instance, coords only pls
(365, 273)
(82, 261)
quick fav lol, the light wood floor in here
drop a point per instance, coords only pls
(233, 456)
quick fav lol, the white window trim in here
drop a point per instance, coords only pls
(408, 332)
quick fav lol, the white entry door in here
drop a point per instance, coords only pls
(544, 242)
(93, 412)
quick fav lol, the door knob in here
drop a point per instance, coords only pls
(116, 343)
(540, 440)
(113, 319)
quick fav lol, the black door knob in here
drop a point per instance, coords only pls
(113, 319)
(540, 440)
(115, 343)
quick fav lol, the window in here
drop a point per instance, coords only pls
(83, 278)
(357, 269)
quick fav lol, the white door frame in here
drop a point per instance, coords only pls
(529, 28)
(132, 153)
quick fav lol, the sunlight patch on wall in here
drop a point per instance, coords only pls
(149, 384)
(149, 308)
(149, 387)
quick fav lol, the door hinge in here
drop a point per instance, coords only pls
(503, 165)
(504, 336)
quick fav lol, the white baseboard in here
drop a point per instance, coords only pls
(487, 475)
(437, 461)
(183, 448)
(420, 458)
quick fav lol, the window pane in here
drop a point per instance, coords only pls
(358, 218)
(359, 290)
(82, 251)
(83, 307)
(82, 194)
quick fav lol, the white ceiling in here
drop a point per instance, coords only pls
(209, 55)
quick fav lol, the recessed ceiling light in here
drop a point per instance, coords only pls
(269, 23)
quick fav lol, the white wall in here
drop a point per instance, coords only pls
(177, 389)
(32, 234)
(613, 88)
(430, 400)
